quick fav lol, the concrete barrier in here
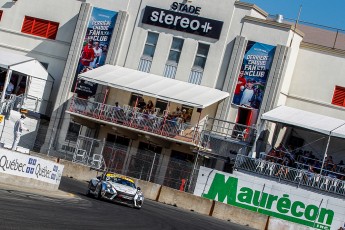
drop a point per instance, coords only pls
(275, 223)
(78, 171)
(26, 182)
(150, 190)
(185, 200)
(239, 216)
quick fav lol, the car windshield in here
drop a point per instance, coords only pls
(122, 181)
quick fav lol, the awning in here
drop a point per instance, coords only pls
(40, 82)
(308, 120)
(154, 86)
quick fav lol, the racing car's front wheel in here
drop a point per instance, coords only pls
(99, 192)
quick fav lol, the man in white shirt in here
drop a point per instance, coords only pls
(98, 54)
(18, 129)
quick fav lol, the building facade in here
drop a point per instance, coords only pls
(184, 45)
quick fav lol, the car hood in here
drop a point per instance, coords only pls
(124, 188)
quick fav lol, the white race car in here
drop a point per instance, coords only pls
(116, 188)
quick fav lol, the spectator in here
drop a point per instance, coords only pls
(9, 89)
(284, 169)
(117, 107)
(142, 103)
(18, 129)
(149, 106)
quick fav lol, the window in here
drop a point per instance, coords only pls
(162, 105)
(123, 141)
(150, 45)
(339, 96)
(40, 27)
(73, 132)
(1, 14)
(201, 56)
(134, 98)
(175, 50)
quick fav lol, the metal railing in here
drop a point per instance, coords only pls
(301, 177)
(131, 117)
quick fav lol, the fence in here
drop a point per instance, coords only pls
(300, 177)
(132, 117)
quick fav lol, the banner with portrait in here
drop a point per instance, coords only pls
(95, 47)
(251, 82)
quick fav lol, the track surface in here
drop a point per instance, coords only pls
(30, 209)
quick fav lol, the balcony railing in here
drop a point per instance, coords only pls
(302, 177)
(132, 117)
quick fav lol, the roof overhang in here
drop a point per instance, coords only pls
(23, 64)
(155, 86)
(307, 120)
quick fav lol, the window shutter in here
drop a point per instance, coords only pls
(27, 25)
(52, 30)
(339, 96)
(40, 28)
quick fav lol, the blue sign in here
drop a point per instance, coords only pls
(95, 47)
(251, 82)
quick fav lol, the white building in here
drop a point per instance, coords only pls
(190, 55)
(177, 54)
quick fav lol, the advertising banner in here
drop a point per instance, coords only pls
(271, 198)
(185, 22)
(95, 47)
(251, 82)
(22, 165)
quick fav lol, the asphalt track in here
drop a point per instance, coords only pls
(71, 209)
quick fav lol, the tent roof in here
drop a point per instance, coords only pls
(23, 64)
(154, 85)
(308, 120)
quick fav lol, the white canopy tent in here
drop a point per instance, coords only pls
(332, 127)
(39, 83)
(312, 121)
(154, 85)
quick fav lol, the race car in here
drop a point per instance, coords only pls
(117, 188)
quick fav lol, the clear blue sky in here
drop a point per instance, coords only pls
(323, 12)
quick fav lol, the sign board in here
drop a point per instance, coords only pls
(95, 47)
(182, 22)
(251, 83)
(28, 166)
(271, 198)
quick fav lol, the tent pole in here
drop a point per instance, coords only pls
(325, 155)
(253, 150)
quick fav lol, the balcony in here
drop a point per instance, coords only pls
(227, 139)
(270, 167)
(142, 121)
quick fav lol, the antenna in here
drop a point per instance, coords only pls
(296, 22)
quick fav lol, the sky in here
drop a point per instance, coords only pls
(322, 12)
